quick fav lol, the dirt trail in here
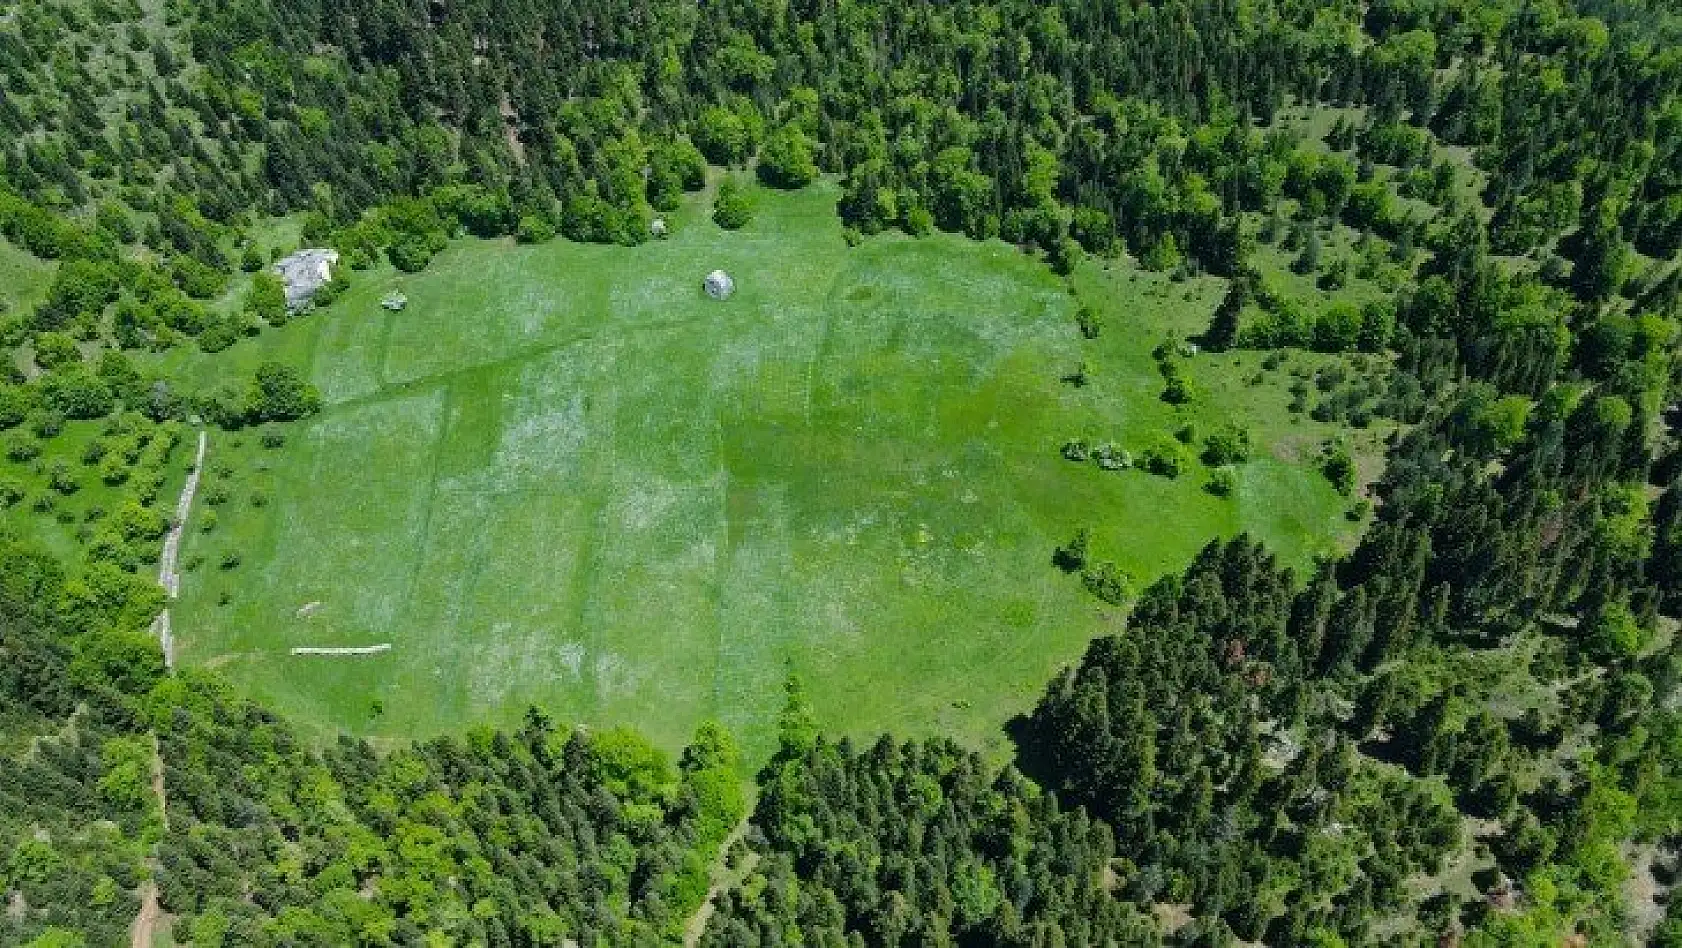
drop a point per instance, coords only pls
(722, 879)
(168, 577)
(151, 915)
(145, 925)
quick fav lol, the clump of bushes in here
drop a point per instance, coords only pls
(1110, 457)
(1228, 445)
(47, 424)
(54, 350)
(277, 392)
(61, 479)
(1178, 390)
(1071, 556)
(1104, 579)
(328, 293)
(130, 536)
(1089, 322)
(114, 469)
(534, 229)
(22, 446)
(16, 402)
(1108, 582)
(1222, 482)
(1165, 456)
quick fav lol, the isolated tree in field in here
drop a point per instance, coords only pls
(1071, 556)
(1165, 456)
(1338, 466)
(1222, 482)
(1090, 323)
(1179, 389)
(16, 402)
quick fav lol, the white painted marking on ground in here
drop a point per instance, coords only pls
(341, 649)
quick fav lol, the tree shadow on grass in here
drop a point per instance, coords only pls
(1031, 757)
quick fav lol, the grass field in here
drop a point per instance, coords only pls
(563, 475)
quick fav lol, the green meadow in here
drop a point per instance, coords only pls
(563, 475)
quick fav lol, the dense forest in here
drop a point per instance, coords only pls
(1468, 730)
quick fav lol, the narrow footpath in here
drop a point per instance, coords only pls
(723, 879)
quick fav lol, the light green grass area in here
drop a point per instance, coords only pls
(1312, 122)
(1274, 262)
(24, 278)
(564, 475)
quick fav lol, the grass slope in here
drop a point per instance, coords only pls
(564, 475)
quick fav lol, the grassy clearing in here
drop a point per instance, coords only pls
(24, 278)
(565, 475)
